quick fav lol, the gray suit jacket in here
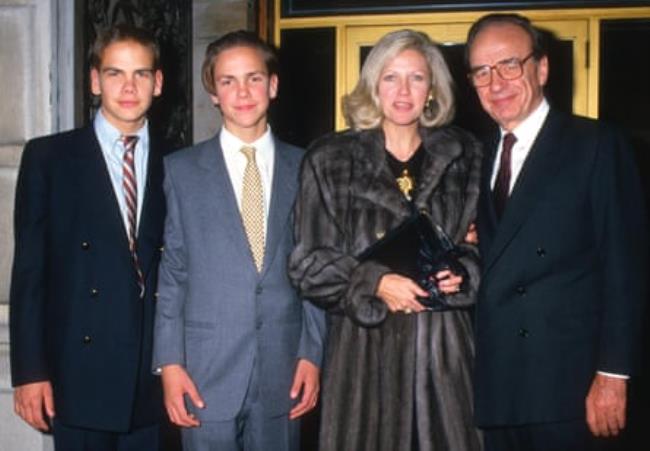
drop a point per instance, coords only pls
(216, 315)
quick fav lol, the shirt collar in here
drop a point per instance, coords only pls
(263, 145)
(527, 131)
(108, 136)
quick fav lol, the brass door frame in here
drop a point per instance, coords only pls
(581, 26)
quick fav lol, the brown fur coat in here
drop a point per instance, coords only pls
(386, 376)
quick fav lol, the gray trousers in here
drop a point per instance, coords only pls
(250, 430)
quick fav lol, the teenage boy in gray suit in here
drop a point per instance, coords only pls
(231, 336)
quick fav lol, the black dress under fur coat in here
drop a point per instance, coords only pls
(387, 376)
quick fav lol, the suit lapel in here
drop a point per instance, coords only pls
(486, 187)
(284, 187)
(487, 220)
(532, 181)
(219, 189)
(153, 208)
(101, 208)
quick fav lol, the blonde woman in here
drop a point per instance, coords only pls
(396, 377)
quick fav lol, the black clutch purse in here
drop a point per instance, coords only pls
(418, 249)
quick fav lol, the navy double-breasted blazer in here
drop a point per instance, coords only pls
(563, 275)
(76, 317)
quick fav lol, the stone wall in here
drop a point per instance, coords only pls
(25, 112)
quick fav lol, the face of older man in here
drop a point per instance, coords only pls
(508, 102)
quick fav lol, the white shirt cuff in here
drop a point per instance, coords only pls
(614, 375)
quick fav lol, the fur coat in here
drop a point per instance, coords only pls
(386, 376)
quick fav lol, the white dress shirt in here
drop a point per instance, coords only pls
(526, 133)
(113, 151)
(236, 163)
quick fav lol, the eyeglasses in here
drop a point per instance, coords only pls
(509, 69)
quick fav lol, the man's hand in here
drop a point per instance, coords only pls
(32, 400)
(472, 234)
(605, 404)
(176, 383)
(305, 380)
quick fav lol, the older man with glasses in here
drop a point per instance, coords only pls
(562, 232)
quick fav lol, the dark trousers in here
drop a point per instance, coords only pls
(560, 436)
(67, 438)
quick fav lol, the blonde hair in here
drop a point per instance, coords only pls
(361, 107)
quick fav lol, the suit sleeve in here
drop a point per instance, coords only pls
(314, 334)
(28, 279)
(620, 226)
(320, 266)
(169, 347)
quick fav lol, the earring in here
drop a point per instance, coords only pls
(430, 99)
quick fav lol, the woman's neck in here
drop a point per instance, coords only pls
(402, 141)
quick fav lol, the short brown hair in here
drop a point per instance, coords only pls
(120, 33)
(240, 38)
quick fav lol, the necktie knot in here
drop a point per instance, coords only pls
(129, 142)
(249, 153)
(509, 140)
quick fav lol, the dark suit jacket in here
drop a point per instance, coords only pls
(217, 316)
(76, 317)
(562, 289)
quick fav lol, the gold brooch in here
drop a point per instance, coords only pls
(405, 183)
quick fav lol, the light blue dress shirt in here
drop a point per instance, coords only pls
(113, 151)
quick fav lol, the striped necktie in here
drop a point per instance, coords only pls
(130, 188)
(252, 207)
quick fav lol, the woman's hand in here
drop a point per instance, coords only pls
(400, 293)
(448, 282)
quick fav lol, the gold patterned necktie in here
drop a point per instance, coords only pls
(130, 189)
(252, 207)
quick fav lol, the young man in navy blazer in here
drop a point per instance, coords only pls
(563, 238)
(232, 337)
(88, 229)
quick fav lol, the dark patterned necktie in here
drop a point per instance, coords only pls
(130, 188)
(501, 190)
